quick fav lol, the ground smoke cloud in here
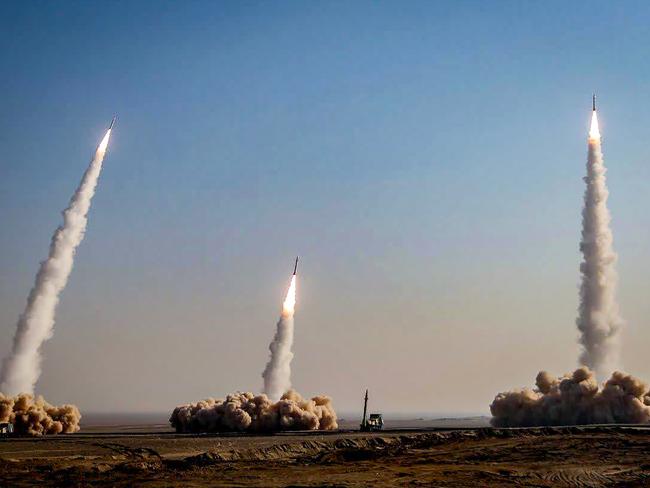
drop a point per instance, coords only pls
(574, 399)
(34, 416)
(22, 368)
(598, 321)
(277, 374)
(245, 412)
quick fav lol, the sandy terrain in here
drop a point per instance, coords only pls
(572, 456)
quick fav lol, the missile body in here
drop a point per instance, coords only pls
(295, 267)
(112, 122)
(593, 102)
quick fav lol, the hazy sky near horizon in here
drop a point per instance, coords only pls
(425, 160)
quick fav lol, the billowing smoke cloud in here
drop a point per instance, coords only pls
(245, 412)
(22, 368)
(34, 416)
(277, 374)
(598, 321)
(574, 399)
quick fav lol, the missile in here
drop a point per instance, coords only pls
(295, 267)
(593, 102)
(112, 122)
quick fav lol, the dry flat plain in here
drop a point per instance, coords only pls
(553, 457)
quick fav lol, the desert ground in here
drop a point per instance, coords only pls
(435, 456)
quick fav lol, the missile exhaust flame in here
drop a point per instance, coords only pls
(594, 131)
(289, 303)
(22, 368)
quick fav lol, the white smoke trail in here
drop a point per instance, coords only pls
(598, 321)
(577, 398)
(21, 369)
(277, 374)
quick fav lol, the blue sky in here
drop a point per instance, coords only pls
(424, 158)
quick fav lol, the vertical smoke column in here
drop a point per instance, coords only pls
(21, 369)
(598, 321)
(277, 374)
